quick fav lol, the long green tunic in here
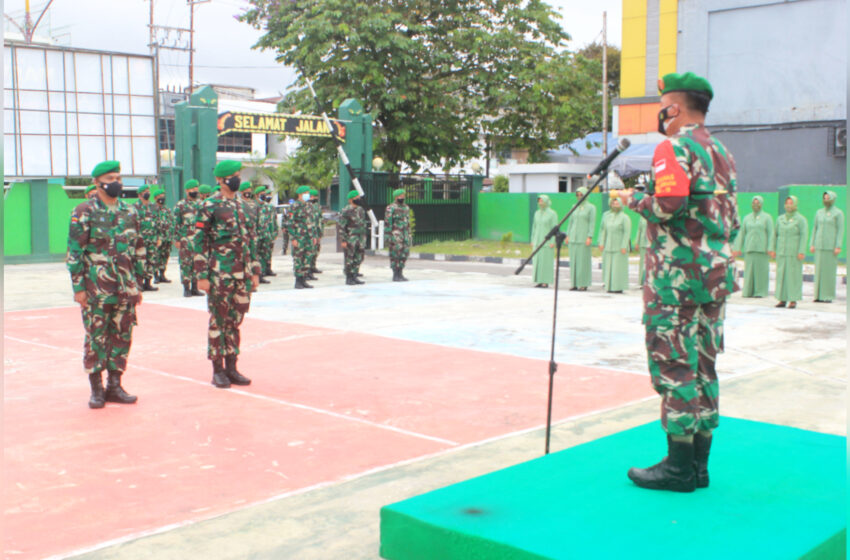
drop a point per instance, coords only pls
(755, 240)
(642, 243)
(544, 261)
(791, 234)
(579, 232)
(614, 235)
(827, 235)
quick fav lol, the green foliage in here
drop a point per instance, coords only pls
(507, 238)
(314, 163)
(437, 75)
(501, 183)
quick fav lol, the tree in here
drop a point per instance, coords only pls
(594, 52)
(435, 75)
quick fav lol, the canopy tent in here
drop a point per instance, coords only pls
(637, 158)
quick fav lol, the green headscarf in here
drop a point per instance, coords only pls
(831, 196)
(761, 203)
(581, 191)
(546, 202)
(794, 209)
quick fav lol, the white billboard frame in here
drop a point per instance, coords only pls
(67, 109)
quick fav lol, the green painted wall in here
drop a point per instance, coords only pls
(17, 222)
(59, 208)
(500, 213)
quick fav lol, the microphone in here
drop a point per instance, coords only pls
(603, 165)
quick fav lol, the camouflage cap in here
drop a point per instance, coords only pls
(191, 184)
(205, 189)
(105, 167)
(227, 168)
(684, 82)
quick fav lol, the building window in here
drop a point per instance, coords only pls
(235, 142)
(563, 183)
(577, 183)
(166, 134)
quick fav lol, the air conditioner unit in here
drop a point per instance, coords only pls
(838, 141)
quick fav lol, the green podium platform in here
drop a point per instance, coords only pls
(776, 493)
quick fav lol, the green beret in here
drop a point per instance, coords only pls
(260, 189)
(353, 194)
(302, 189)
(143, 188)
(314, 192)
(684, 82)
(191, 184)
(398, 192)
(226, 168)
(216, 188)
(105, 167)
(205, 189)
(245, 186)
(156, 191)
(90, 188)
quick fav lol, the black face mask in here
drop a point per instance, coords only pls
(266, 198)
(113, 189)
(193, 195)
(160, 201)
(663, 115)
(400, 201)
(359, 202)
(233, 183)
(146, 196)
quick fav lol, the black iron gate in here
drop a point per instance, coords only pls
(442, 205)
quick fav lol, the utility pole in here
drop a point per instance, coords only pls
(167, 31)
(604, 86)
(28, 29)
(192, 41)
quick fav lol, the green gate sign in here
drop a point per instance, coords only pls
(276, 123)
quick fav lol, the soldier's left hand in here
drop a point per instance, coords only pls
(837, 251)
(255, 282)
(623, 251)
(800, 256)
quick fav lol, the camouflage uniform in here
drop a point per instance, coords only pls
(224, 254)
(166, 229)
(106, 257)
(265, 237)
(689, 274)
(185, 213)
(300, 227)
(397, 235)
(353, 227)
(149, 233)
(317, 231)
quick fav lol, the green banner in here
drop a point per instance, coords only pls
(276, 123)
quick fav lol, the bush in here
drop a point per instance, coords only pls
(501, 183)
(507, 238)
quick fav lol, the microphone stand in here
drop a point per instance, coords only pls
(559, 241)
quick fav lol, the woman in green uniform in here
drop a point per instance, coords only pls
(791, 234)
(544, 261)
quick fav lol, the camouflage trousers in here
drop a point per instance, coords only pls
(109, 332)
(682, 343)
(164, 254)
(315, 254)
(398, 254)
(151, 258)
(228, 302)
(185, 257)
(353, 258)
(264, 252)
(302, 258)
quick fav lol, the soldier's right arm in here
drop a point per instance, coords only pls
(388, 223)
(201, 242)
(672, 185)
(78, 238)
(139, 251)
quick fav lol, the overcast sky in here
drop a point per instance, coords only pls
(223, 44)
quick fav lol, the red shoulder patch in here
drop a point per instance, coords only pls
(670, 178)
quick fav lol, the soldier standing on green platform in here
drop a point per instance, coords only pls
(642, 243)
(755, 241)
(397, 234)
(185, 213)
(300, 227)
(792, 231)
(318, 232)
(106, 256)
(252, 210)
(227, 271)
(580, 240)
(692, 218)
(353, 227)
(166, 233)
(148, 231)
(614, 236)
(827, 236)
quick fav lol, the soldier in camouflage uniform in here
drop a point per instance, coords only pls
(285, 217)
(91, 192)
(397, 234)
(267, 229)
(318, 232)
(205, 192)
(227, 270)
(106, 257)
(300, 227)
(148, 231)
(252, 210)
(166, 231)
(185, 213)
(691, 219)
(353, 227)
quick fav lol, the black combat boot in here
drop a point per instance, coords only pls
(162, 278)
(220, 378)
(360, 275)
(263, 280)
(395, 276)
(232, 374)
(115, 392)
(401, 277)
(310, 276)
(300, 283)
(702, 447)
(147, 286)
(349, 280)
(195, 290)
(187, 290)
(270, 272)
(675, 472)
(355, 280)
(96, 400)
(315, 270)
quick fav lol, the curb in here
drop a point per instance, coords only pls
(517, 262)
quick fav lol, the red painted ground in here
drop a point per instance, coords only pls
(75, 477)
